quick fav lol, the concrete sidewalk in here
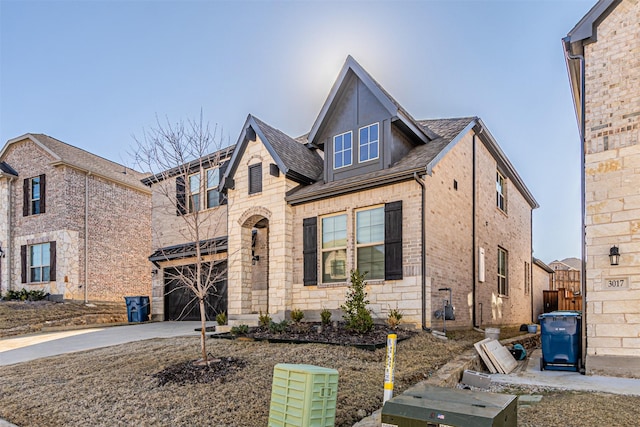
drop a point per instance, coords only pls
(529, 374)
(29, 347)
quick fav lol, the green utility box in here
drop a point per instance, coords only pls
(428, 406)
(303, 396)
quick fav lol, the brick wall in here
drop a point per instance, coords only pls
(612, 173)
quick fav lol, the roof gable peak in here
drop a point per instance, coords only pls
(351, 66)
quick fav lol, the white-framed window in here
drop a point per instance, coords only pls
(342, 150)
(194, 192)
(501, 195)
(39, 263)
(370, 242)
(211, 190)
(368, 143)
(503, 279)
(334, 248)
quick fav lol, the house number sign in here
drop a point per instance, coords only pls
(616, 283)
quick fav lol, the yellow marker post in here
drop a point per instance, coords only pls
(390, 366)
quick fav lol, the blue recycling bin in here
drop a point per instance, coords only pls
(561, 340)
(137, 309)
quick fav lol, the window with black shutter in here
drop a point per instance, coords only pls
(181, 196)
(34, 190)
(310, 250)
(255, 178)
(393, 240)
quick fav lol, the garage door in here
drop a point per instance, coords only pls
(180, 302)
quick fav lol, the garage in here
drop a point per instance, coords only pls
(180, 302)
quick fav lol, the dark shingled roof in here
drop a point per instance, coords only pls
(4, 167)
(294, 154)
(415, 161)
(85, 160)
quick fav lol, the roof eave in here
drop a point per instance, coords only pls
(101, 176)
(505, 164)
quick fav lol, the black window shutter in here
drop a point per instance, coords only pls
(310, 250)
(23, 263)
(181, 196)
(26, 200)
(52, 261)
(393, 241)
(255, 178)
(222, 194)
(43, 193)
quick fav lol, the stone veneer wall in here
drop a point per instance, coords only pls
(612, 173)
(244, 210)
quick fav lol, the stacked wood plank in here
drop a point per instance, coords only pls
(496, 357)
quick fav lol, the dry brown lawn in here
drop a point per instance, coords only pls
(116, 386)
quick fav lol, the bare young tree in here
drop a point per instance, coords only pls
(184, 159)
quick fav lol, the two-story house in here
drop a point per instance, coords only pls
(603, 59)
(71, 223)
(432, 210)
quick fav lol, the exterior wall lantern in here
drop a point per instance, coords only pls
(614, 255)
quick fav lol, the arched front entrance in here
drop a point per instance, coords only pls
(255, 264)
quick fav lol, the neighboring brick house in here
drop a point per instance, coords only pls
(602, 53)
(420, 205)
(71, 223)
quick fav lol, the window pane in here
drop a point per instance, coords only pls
(45, 274)
(35, 188)
(342, 150)
(194, 184)
(213, 177)
(213, 199)
(45, 254)
(370, 225)
(371, 260)
(36, 255)
(334, 266)
(36, 274)
(334, 231)
(373, 150)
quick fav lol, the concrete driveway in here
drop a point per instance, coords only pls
(29, 347)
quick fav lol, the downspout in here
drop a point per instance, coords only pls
(86, 237)
(9, 248)
(423, 264)
(530, 272)
(474, 248)
(583, 272)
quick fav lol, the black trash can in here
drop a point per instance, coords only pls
(137, 309)
(561, 340)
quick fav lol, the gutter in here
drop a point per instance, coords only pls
(474, 247)
(583, 271)
(86, 237)
(9, 249)
(423, 263)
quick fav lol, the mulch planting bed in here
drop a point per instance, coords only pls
(316, 333)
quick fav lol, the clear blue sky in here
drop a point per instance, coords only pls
(95, 73)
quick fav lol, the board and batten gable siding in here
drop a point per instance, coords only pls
(384, 295)
(356, 107)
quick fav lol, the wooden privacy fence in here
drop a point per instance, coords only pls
(562, 299)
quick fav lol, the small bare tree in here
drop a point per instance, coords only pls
(184, 159)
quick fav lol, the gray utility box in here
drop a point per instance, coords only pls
(427, 406)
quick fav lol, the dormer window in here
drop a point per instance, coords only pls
(342, 150)
(369, 143)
